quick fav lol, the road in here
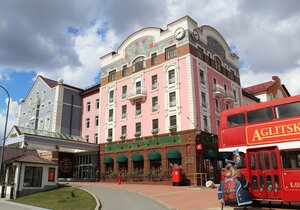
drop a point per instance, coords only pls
(115, 199)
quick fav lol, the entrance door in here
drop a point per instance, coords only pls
(265, 173)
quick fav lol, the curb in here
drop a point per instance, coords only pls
(98, 204)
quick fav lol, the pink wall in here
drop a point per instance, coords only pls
(92, 130)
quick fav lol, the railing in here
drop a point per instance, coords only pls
(138, 112)
(172, 80)
(218, 91)
(137, 94)
(172, 103)
(154, 86)
(155, 108)
(229, 97)
(124, 115)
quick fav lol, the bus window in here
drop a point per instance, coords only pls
(290, 159)
(254, 183)
(277, 186)
(235, 120)
(243, 160)
(269, 183)
(274, 160)
(259, 160)
(288, 110)
(262, 184)
(252, 162)
(267, 161)
(260, 115)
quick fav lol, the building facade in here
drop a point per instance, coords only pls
(161, 95)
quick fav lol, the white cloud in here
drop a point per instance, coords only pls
(89, 46)
(12, 117)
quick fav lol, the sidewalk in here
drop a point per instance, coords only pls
(179, 198)
(8, 205)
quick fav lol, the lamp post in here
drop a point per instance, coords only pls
(4, 135)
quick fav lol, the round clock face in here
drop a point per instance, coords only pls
(179, 33)
(195, 34)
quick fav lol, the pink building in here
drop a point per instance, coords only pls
(169, 85)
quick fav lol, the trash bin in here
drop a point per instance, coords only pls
(176, 176)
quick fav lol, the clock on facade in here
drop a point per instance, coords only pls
(179, 33)
(196, 34)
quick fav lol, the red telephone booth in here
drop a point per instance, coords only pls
(176, 176)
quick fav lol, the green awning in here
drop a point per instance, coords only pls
(174, 154)
(122, 159)
(137, 157)
(209, 154)
(154, 155)
(223, 156)
(108, 160)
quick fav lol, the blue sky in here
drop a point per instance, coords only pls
(60, 39)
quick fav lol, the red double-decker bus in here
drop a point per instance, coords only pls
(267, 136)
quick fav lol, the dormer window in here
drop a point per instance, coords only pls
(138, 64)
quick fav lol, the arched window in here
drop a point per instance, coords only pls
(138, 64)
(218, 64)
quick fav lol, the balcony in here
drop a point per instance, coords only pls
(139, 93)
(229, 98)
(218, 91)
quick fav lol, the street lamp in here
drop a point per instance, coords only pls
(4, 135)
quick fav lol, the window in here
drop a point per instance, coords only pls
(138, 127)
(155, 124)
(260, 115)
(41, 124)
(97, 103)
(154, 82)
(33, 176)
(203, 99)
(124, 71)
(170, 52)
(124, 111)
(111, 96)
(138, 87)
(51, 175)
(290, 159)
(87, 138)
(109, 134)
(124, 91)
(254, 183)
(252, 162)
(138, 64)
(112, 76)
(172, 99)
(234, 94)
(205, 123)
(200, 53)
(226, 106)
(110, 115)
(124, 130)
(237, 119)
(274, 160)
(225, 89)
(154, 104)
(97, 120)
(202, 79)
(173, 121)
(138, 108)
(214, 83)
(96, 138)
(87, 122)
(171, 76)
(47, 124)
(217, 106)
(288, 110)
(267, 161)
(218, 64)
(88, 106)
(153, 58)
